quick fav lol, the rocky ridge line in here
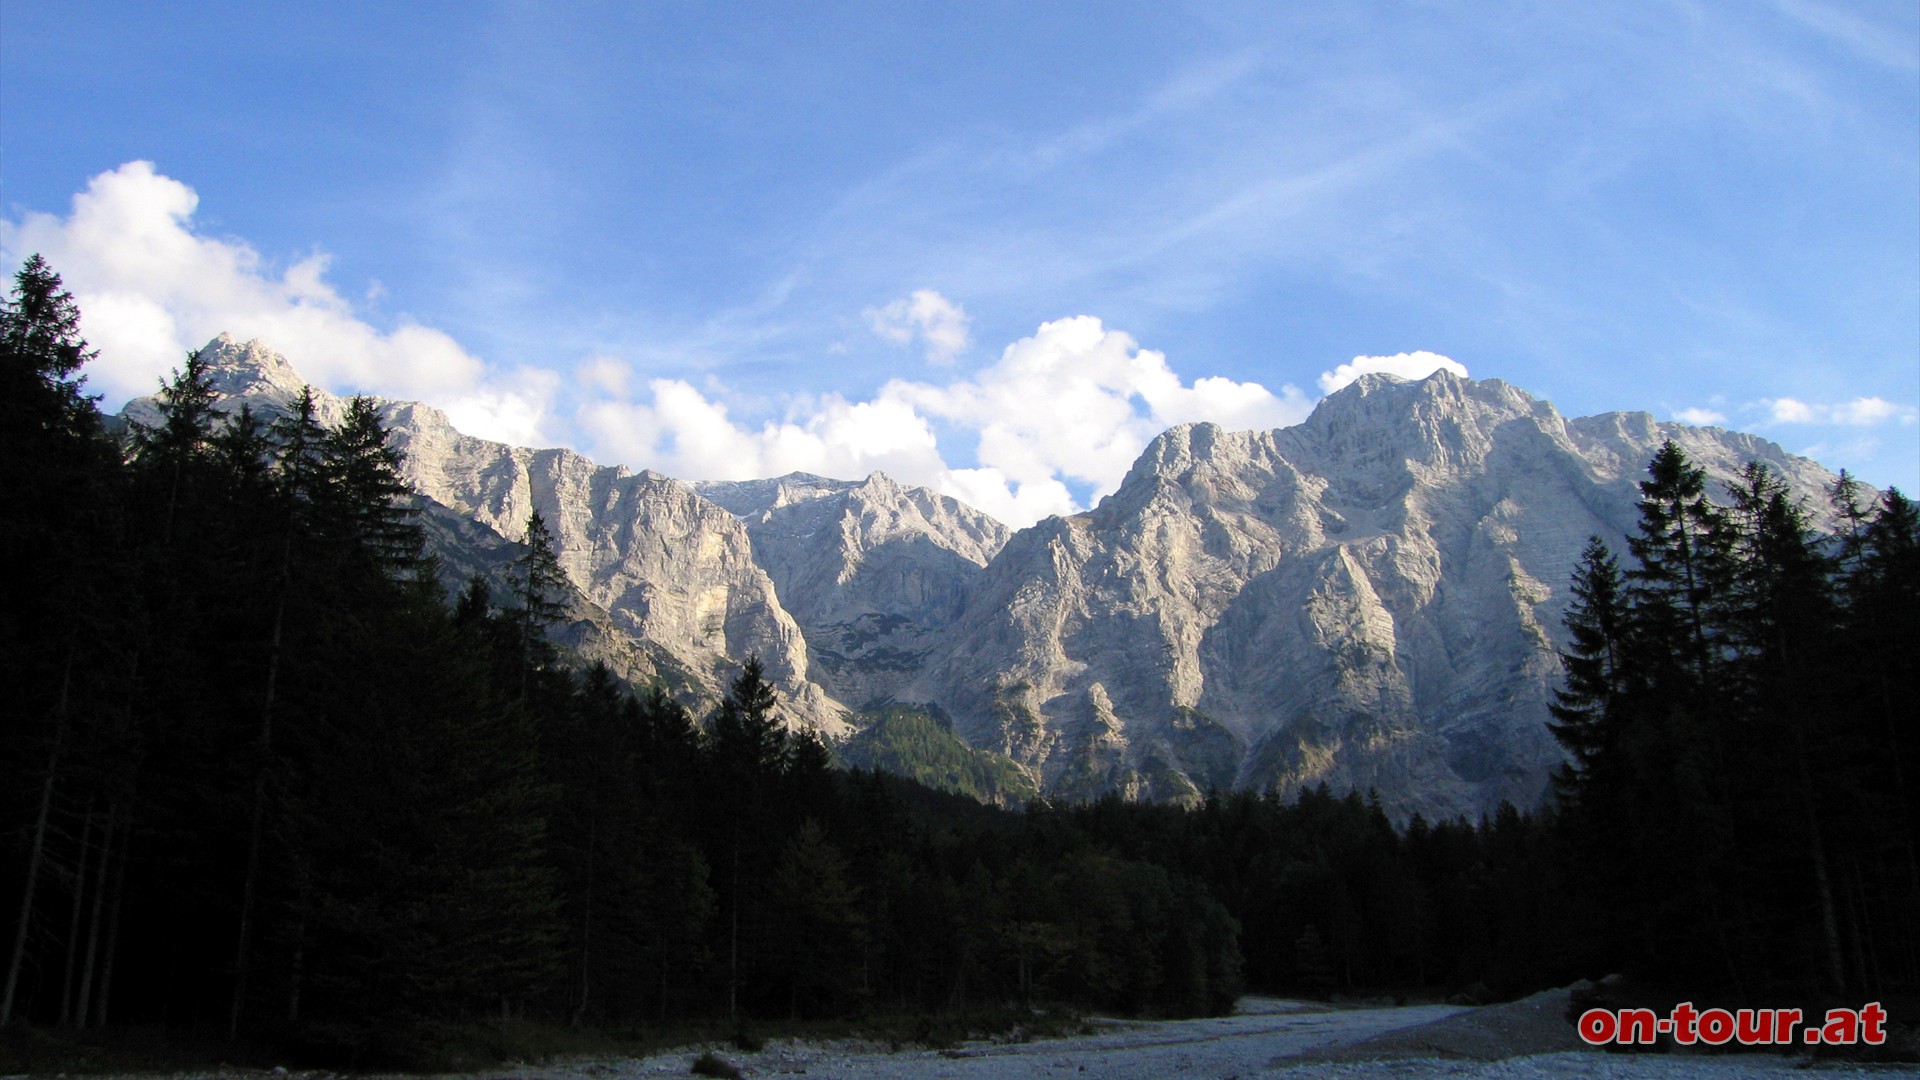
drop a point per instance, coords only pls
(1370, 599)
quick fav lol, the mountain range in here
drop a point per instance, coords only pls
(1371, 598)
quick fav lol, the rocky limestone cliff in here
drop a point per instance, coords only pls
(1371, 599)
(874, 572)
(667, 584)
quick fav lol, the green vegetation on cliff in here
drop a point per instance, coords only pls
(911, 742)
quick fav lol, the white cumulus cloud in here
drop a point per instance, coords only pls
(1860, 412)
(937, 322)
(1868, 411)
(1073, 404)
(1080, 401)
(152, 286)
(684, 433)
(1052, 425)
(516, 408)
(1789, 411)
(607, 374)
(1413, 365)
(1700, 417)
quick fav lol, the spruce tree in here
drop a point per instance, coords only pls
(59, 477)
(299, 440)
(749, 743)
(1672, 900)
(1587, 708)
(749, 748)
(1777, 617)
(243, 452)
(541, 589)
(817, 922)
(1677, 549)
(374, 507)
(1592, 713)
(41, 387)
(1876, 737)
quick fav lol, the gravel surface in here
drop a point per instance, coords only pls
(1240, 1045)
(1525, 1040)
(1534, 1025)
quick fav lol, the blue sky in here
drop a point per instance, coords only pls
(988, 247)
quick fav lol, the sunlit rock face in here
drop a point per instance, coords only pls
(667, 586)
(1370, 599)
(874, 572)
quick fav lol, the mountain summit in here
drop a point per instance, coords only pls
(1371, 599)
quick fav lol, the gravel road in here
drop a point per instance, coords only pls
(1525, 1040)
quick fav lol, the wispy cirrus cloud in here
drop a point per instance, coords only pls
(1854, 31)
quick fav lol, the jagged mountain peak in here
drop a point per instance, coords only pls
(1175, 449)
(1441, 421)
(249, 373)
(667, 588)
(880, 483)
(745, 498)
(1376, 406)
(1379, 394)
(1382, 436)
(250, 369)
(1370, 598)
(750, 498)
(675, 576)
(873, 570)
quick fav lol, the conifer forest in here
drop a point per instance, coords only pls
(268, 776)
